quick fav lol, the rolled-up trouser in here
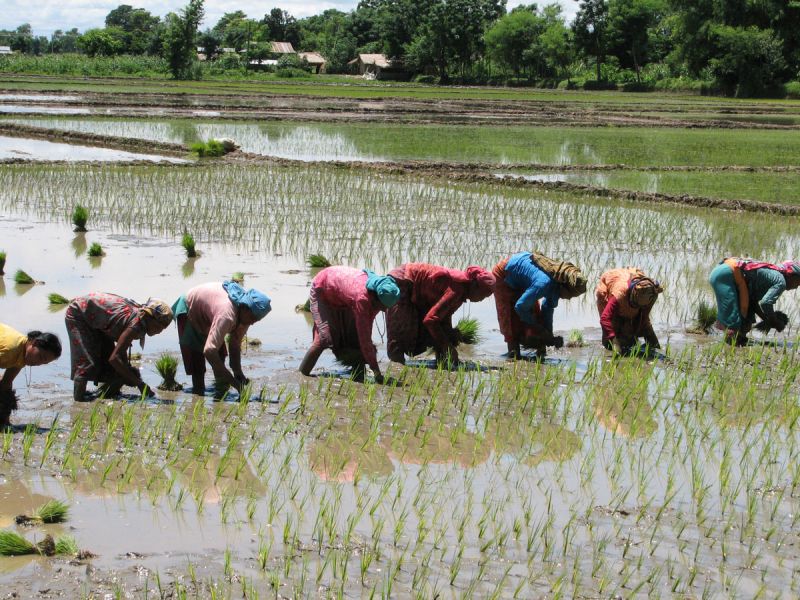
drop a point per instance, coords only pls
(727, 294)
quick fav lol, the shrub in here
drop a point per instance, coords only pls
(594, 85)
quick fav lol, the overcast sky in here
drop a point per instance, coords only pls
(45, 16)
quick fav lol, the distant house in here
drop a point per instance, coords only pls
(201, 53)
(282, 48)
(5, 50)
(314, 59)
(377, 66)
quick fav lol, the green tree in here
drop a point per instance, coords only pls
(137, 24)
(281, 27)
(590, 29)
(630, 28)
(102, 42)
(179, 38)
(748, 61)
(511, 36)
(61, 42)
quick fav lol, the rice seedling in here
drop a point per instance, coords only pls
(317, 261)
(575, 339)
(238, 277)
(22, 278)
(167, 367)
(305, 307)
(187, 241)
(13, 544)
(209, 149)
(57, 299)
(2, 262)
(469, 330)
(52, 511)
(704, 319)
(80, 216)
(96, 250)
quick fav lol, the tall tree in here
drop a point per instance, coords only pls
(179, 38)
(281, 27)
(137, 24)
(630, 27)
(590, 28)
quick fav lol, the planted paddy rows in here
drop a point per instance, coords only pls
(577, 477)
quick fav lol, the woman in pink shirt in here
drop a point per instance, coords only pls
(625, 298)
(205, 315)
(344, 304)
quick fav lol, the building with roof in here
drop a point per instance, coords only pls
(314, 59)
(377, 66)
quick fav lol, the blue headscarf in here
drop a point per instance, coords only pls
(384, 286)
(258, 303)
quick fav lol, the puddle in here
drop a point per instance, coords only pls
(37, 98)
(40, 150)
(18, 109)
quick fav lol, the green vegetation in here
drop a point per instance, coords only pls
(13, 544)
(187, 241)
(96, 250)
(57, 299)
(209, 149)
(2, 262)
(317, 261)
(22, 278)
(80, 216)
(238, 277)
(705, 318)
(167, 367)
(52, 511)
(575, 339)
(469, 330)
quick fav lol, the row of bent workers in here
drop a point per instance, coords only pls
(419, 299)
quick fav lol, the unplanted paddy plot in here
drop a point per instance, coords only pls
(582, 476)
(42, 150)
(637, 147)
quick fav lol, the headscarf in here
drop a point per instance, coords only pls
(384, 286)
(482, 279)
(643, 291)
(791, 267)
(158, 310)
(257, 302)
(566, 274)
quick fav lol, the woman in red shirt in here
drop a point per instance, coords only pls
(625, 298)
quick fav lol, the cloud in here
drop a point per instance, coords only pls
(49, 15)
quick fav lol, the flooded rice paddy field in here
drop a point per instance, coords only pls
(577, 477)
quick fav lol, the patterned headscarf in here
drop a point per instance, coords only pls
(158, 310)
(384, 286)
(643, 291)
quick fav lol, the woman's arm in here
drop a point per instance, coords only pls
(119, 359)
(7, 382)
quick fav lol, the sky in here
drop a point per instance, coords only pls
(45, 16)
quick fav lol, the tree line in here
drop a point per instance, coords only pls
(738, 47)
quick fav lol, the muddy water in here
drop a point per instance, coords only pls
(40, 150)
(518, 478)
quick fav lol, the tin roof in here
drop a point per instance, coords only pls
(313, 58)
(282, 47)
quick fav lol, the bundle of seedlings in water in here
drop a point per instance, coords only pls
(2, 262)
(95, 250)
(52, 511)
(209, 149)
(167, 367)
(317, 261)
(469, 330)
(704, 319)
(188, 244)
(575, 339)
(13, 544)
(57, 299)
(238, 277)
(305, 307)
(22, 278)
(80, 215)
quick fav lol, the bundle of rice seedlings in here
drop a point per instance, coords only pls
(67, 546)
(22, 278)
(238, 277)
(705, 317)
(188, 244)
(13, 544)
(317, 261)
(52, 511)
(80, 215)
(167, 367)
(96, 250)
(305, 307)
(575, 339)
(2, 262)
(469, 330)
(57, 299)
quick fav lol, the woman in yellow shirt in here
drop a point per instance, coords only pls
(18, 351)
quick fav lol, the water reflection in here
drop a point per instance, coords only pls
(79, 244)
(620, 398)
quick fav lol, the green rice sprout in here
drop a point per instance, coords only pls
(469, 329)
(52, 511)
(188, 244)
(317, 261)
(167, 367)
(705, 317)
(2, 262)
(13, 544)
(96, 250)
(209, 149)
(575, 339)
(57, 299)
(22, 278)
(238, 277)
(80, 215)
(66, 545)
(305, 307)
